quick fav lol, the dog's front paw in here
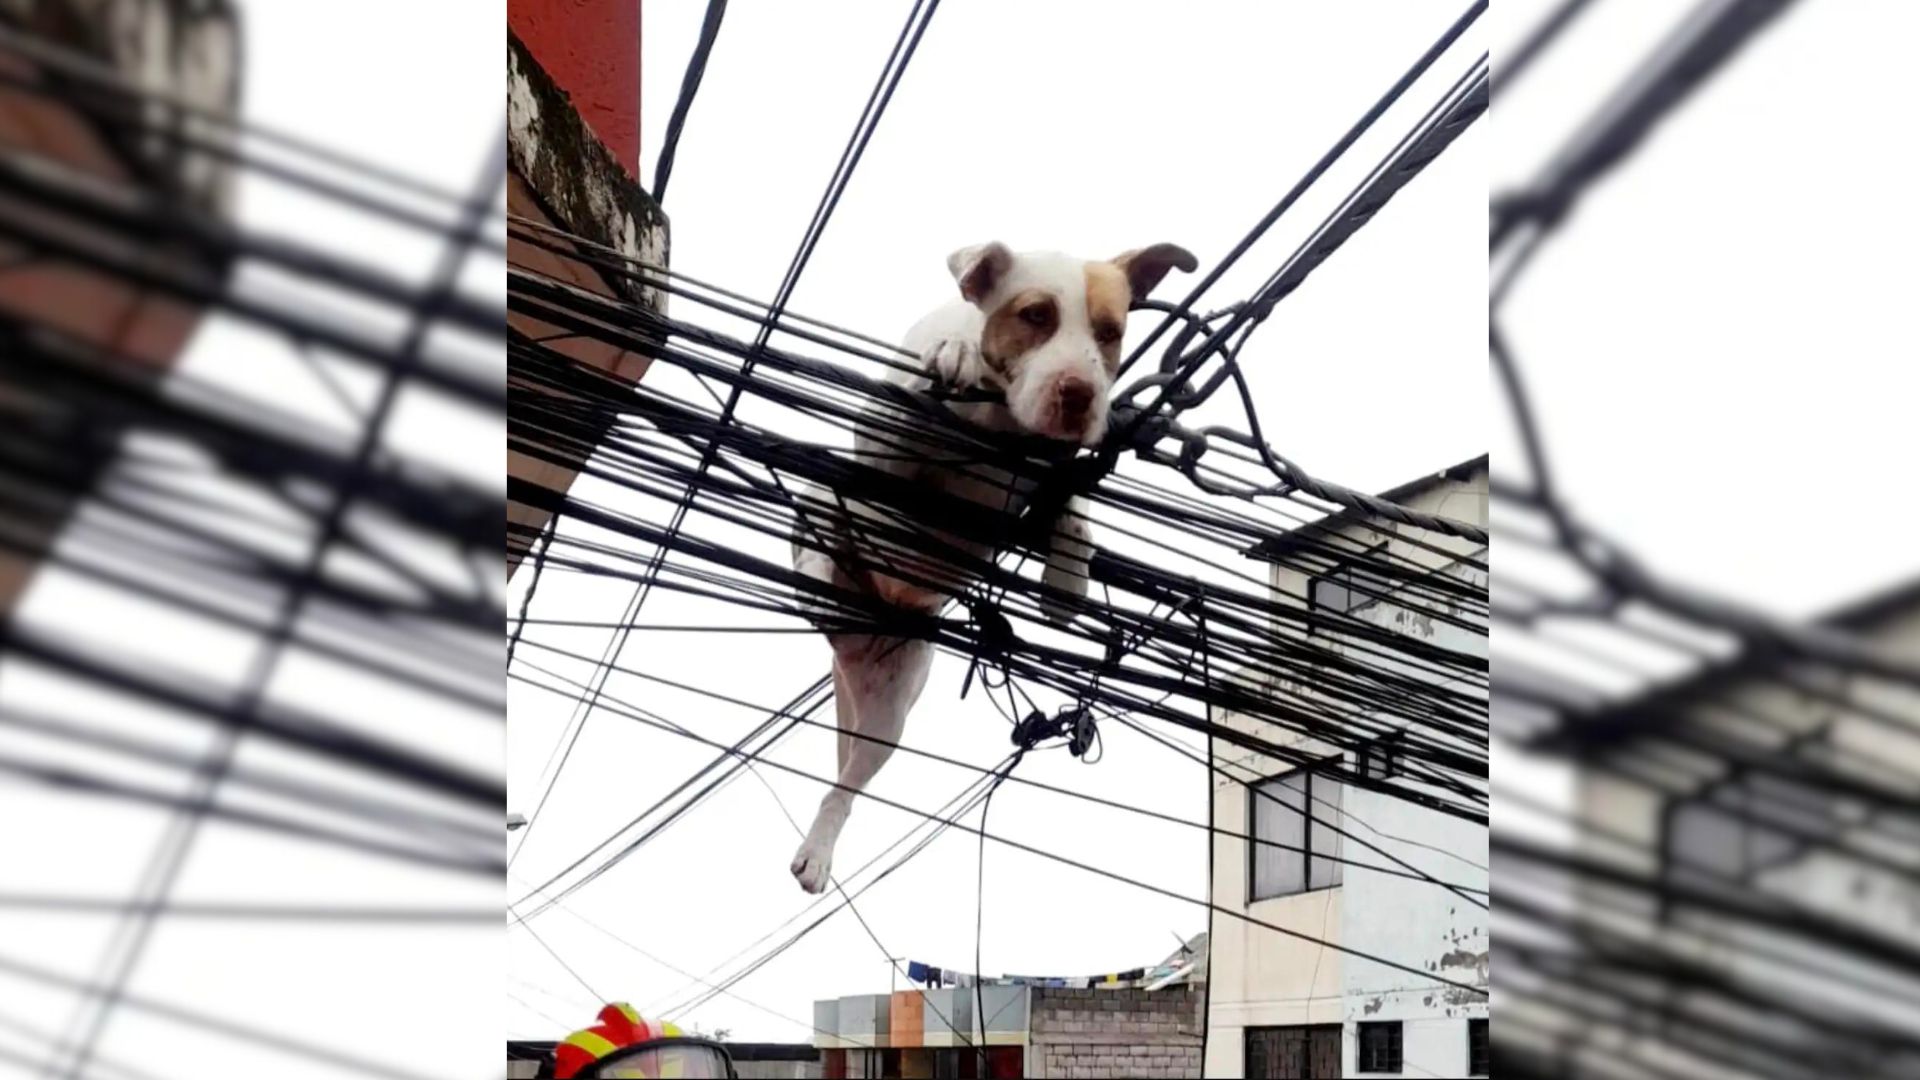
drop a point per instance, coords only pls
(954, 361)
(812, 867)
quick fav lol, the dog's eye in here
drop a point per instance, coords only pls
(1107, 335)
(1036, 316)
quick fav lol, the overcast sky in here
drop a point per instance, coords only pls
(1087, 128)
(1720, 339)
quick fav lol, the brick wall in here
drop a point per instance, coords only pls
(1115, 1033)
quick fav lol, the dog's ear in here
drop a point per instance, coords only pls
(979, 268)
(1145, 267)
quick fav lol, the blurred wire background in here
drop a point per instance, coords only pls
(251, 599)
(1707, 671)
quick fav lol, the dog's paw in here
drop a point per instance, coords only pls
(812, 867)
(954, 362)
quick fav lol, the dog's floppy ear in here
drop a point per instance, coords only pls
(1145, 267)
(979, 268)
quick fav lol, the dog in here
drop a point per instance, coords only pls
(1042, 329)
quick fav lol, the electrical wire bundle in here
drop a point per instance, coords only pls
(736, 445)
(1744, 788)
(233, 545)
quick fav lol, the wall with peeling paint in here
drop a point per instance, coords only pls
(1412, 921)
(1263, 979)
(1879, 894)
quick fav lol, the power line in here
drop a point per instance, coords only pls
(904, 46)
(689, 86)
(653, 720)
(1065, 860)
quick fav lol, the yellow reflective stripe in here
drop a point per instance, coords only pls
(672, 1030)
(597, 1045)
(628, 1011)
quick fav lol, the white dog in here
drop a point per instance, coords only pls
(1045, 331)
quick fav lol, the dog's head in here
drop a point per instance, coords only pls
(1054, 325)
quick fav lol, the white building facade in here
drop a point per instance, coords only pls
(1749, 835)
(1284, 1006)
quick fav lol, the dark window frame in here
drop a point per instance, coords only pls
(1385, 751)
(1309, 1036)
(1341, 574)
(1393, 1032)
(1484, 1066)
(1254, 795)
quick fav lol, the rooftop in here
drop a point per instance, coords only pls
(1307, 534)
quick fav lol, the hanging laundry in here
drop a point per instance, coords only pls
(933, 976)
(916, 971)
(1080, 983)
(1132, 974)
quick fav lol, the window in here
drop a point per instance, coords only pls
(1376, 760)
(1380, 1047)
(1295, 848)
(1346, 588)
(1293, 1053)
(956, 1063)
(1744, 826)
(1477, 1060)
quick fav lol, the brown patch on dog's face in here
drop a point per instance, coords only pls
(1026, 321)
(1108, 298)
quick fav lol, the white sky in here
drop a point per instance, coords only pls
(1719, 340)
(1078, 127)
(347, 75)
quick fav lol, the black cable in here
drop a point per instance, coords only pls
(979, 906)
(644, 716)
(908, 40)
(170, 855)
(689, 86)
(1065, 860)
(326, 1053)
(1332, 154)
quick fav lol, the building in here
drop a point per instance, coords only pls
(1744, 862)
(573, 157)
(1285, 1007)
(1147, 1024)
(62, 163)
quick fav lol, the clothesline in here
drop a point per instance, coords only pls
(930, 976)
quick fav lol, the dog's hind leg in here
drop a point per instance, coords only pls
(843, 716)
(881, 678)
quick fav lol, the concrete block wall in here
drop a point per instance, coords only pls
(1115, 1033)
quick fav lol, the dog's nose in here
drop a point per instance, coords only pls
(1076, 399)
